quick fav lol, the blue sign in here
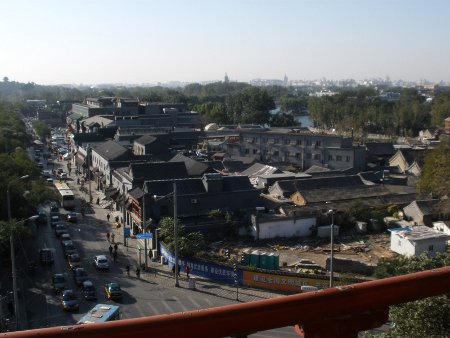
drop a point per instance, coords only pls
(144, 236)
(126, 232)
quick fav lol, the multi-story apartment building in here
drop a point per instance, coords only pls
(299, 147)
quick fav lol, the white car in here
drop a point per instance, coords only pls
(101, 262)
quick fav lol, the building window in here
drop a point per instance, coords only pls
(297, 155)
(276, 141)
(255, 151)
(264, 140)
(317, 156)
(318, 143)
(286, 141)
(286, 154)
(347, 158)
(330, 157)
(299, 142)
(338, 158)
(308, 156)
(276, 153)
(308, 142)
(430, 248)
(247, 151)
(265, 152)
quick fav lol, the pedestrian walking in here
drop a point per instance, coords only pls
(179, 270)
(108, 216)
(128, 269)
(115, 247)
(112, 237)
(138, 273)
(173, 269)
(115, 256)
(110, 250)
(188, 269)
(107, 236)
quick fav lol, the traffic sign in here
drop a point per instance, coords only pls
(144, 236)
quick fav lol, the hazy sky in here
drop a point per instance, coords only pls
(149, 41)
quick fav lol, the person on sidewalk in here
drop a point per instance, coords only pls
(115, 247)
(112, 237)
(108, 236)
(108, 216)
(110, 250)
(188, 269)
(179, 270)
(115, 256)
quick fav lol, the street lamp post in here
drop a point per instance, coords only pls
(331, 211)
(175, 230)
(175, 226)
(13, 257)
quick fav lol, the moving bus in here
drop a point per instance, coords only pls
(66, 195)
(101, 313)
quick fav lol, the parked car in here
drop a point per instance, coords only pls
(54, 219)
(60, 229)
(101, 262)
(88, 290)
(54, 209)
(64, 238)
(69, 248)
(69, 300)
(79, 276)
(113, 291)
(59, 282)
(74, 261)
(72, 217)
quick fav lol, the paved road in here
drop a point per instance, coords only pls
(151, 295)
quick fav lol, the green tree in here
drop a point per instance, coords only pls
(17, 228)
(41, 129)
(189, 245)
(428, 317)
(435, 180)
(440, 108)
(282, 120)
(251, 105)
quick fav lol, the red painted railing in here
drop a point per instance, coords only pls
(336, 312)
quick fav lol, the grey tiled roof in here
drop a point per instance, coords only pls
(111, 150)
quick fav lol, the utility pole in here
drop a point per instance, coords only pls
(89, 172)
(175, 229)
(13, 256)
(144, 228)
(124, 215)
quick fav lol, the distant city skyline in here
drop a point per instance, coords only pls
(53, 42)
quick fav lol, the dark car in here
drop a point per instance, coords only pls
(72, 217)
(88, 290)
(74, 261)
(54, 219)
(69, 248)
(64, 238)
(59, 282)
(113, 291)
(79, 276)
(60, 229)
(69, 300)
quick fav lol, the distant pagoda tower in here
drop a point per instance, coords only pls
(285, 80)
(226, 79)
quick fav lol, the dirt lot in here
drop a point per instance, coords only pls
(368, 249)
